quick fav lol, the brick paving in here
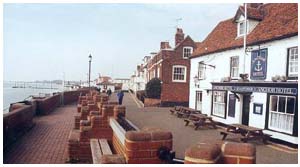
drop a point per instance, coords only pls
(46, 142)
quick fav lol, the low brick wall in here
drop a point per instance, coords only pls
(141, 147)
(20, 116)
(16, 123)
(72, 96)
(136, 146)
(149, 102)
(48, 104)
(93, 124)
(225, 153)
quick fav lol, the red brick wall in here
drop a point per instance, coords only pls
(16, 123)
(47, 105)
(226, 153)
(175, 91)
(72, 96)
(141, 147)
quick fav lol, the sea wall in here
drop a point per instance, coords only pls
(16, 123)
(48, 104)
(72, 96)
(19, 119)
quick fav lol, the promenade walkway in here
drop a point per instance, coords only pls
(47, 141)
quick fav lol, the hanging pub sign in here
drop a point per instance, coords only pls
(259, 64)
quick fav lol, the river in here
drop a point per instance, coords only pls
(12, 95)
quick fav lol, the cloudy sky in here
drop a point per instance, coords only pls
(43, 41)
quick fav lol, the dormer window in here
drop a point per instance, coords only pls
(187, 52)
(241, 28)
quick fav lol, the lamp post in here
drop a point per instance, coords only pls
(90, 60)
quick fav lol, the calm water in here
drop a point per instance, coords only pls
(12, 95)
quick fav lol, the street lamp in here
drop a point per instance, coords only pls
(90, 60)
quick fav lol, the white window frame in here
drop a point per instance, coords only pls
(173, 70)
(220, 104)
(295, 62)
(278, 114)
(201, 74)
(183, 51)
(239, 26)
(232, 68)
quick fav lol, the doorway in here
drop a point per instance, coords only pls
(245, 110)
(198, 105)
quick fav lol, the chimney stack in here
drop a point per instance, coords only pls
(179, 36)
(164, 45)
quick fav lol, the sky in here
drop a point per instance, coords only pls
(53, 41)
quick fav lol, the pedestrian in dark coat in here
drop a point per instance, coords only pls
(108, 92)
(120, 97)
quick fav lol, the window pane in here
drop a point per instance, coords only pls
(293, 61)
(281, 104)
(234, 63)
(273, 103)
(179, 73)
(242, 30)
(290, 108)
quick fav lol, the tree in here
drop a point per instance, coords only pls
(153, 88)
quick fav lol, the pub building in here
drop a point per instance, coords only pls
(254, 84)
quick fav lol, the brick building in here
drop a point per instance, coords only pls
(172, 67)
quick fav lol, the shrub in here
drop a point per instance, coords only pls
(153, 88)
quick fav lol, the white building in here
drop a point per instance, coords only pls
(272, 51)
(125, 82)
(105, 83)
(139, 79)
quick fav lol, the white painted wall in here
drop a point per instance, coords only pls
(276, 65)
(257, 120)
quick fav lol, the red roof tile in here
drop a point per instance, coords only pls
(252, 13)
(279, 21)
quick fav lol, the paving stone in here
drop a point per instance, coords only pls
(47, 141)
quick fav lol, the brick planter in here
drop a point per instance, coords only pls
(226, 153)
(141, 147)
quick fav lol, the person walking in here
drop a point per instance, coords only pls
(108, 92)
(120, 97)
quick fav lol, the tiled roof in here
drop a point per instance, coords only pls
(279, 21)
(252, 13)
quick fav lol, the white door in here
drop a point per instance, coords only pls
(198, 101)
